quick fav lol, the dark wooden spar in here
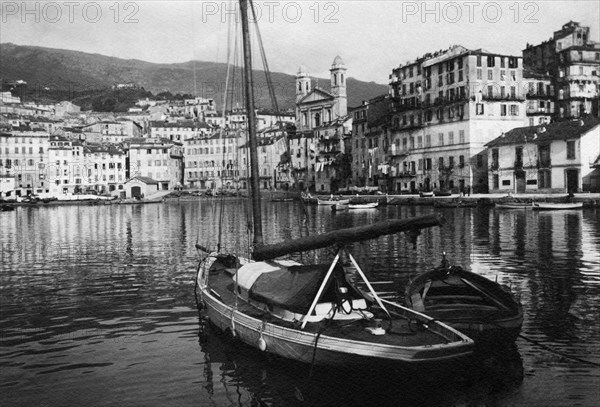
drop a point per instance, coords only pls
(345, 236)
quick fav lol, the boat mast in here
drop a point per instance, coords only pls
(248, 85)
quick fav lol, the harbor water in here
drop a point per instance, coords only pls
(97, 307)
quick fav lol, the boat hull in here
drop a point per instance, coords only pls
(333, 201)
(300, 346)
(549, 206)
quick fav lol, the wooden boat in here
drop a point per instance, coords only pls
(315, 313)
(480, 308)
(556, 205)
(339, 207)
(514, 205)
(333, 201)
(426, 194)
(307, 198)
(365, 205)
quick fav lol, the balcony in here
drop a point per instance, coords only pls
(506, 98)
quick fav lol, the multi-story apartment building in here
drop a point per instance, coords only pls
(444, 107)
(557, 157)
(540, 98)
(573, 62)
(105, 166)
(180, 131)
(213, 161)
(157, 158)
(24, 156)
(65, 171)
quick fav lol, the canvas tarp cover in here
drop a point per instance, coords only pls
(293, 288)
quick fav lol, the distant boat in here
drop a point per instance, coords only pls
(366, 205)
(333, 201)
(339, 207)
(514, 205)
(556, 205)
(307, 198)
(424, 194)
(480, 308)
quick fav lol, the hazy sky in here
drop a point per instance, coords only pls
(371, 36)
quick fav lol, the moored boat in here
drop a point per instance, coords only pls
(514, 205)
(482, 309)
(365, 205)
(557, 205)
(333, 201)
(314, 313)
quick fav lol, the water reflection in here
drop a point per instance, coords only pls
(100, 298)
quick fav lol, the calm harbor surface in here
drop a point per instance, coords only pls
(97, 307)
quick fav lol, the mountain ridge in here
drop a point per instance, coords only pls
(74, 71)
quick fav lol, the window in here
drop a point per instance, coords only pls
(419, 141)
(514, 110)
(451, 162)
(441, 139)
(461, 137)
(451, 137)
(502, 110)
(505, 182)
(570, 150)
(478, 60)
(502, 92)
(490, 75)
(491, 61)
(441, 163)
(513, 92)
(490, 90)
(428, 140)
(480, 74)
(427, 164)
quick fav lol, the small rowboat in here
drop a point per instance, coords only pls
(480, 308)
(556, 206)
(333, 201)
(366, 205)
(514, 205)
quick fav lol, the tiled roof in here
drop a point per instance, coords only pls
(146, 180)
(545, 133)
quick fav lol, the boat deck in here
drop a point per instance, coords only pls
(404, 331)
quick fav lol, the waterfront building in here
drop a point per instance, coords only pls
(560, 157)
(445, 107)
(572, 60)
(65, 170)
(104, 166)
(322, 127)
(212, 161)
(24, 156)
(157, 158)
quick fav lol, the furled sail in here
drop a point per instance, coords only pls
(345, 236)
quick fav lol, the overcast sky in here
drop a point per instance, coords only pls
(371, 36)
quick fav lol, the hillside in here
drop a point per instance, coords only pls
(50, 73)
